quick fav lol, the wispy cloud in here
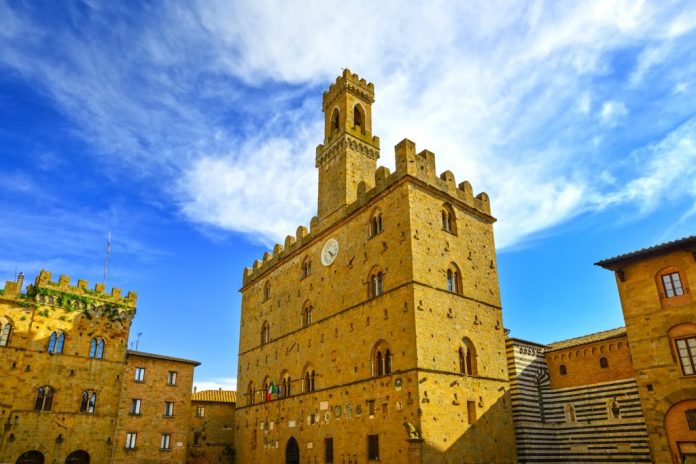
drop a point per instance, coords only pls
(218, 103)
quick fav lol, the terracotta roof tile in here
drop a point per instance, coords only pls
(618, 261)
(215, 396)
(585, 339)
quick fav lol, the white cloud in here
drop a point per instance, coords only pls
(612, 111)
(219, 103)
(216, 383)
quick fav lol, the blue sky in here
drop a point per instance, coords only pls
(188, 129)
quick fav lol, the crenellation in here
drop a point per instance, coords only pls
(381, 176)
(466, 193)
(483, 203)
(81, 289)
(300, 233)
(277, 250)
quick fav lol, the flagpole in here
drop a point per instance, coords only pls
(106, 260)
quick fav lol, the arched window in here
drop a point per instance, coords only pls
(306, 268)
(96, 348)
(449, 219)
(265, 333)
(250, 393)
(267, 291)
(467, 357)
(84, 402)
(307, 314)
(376, 225)
(381, 359)
(569, 413)
(56, 342)
(454, 279)
(5, 332)
(375, 284)
(309, 379)
(603, 362)
(335, 120)
(562, 369)
(44, 399)
(358, 117)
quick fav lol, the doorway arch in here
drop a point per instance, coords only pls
(77, 457)
(31, 457)
(292, 452)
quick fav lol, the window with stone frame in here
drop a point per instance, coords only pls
(454, 279)
(603, 362)
(139, 374)
(165, 441)
(686, 349)
(691, 418)
(376, 283)
(376, 224)
(265, 333)
(672, 284)
(168, 408)
(5, 332)
(171, 378)
(562, 369)
(449, 219)
(131, 440)
(44, 399)
(135, 407)
(200, 411)
(96, 348)
(55, 342)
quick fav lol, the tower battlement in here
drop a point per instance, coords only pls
(351, 83)
(418, 166)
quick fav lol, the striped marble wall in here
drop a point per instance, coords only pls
(600, 423)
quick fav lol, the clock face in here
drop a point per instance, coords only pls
(329, 252)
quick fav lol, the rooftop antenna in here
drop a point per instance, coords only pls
(106, 260)
(137, 341)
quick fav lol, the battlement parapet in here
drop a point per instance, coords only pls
(420, 166)
(351, 83)
(43, 284)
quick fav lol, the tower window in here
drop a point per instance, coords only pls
(672, 285)
(376, 284)
(5, 332)
(56, 342)
(306, 268)
(44, 399)
(454, 279)
(89, 402)
(131, 438)
(267, 292)
(449, 220)
(603, 362)
(376, 225)
(562, 369)
(467, 358)
(168, 409)
(96, 348)
(358, 117)
(307, 315)
(335, 120)
(265, 333)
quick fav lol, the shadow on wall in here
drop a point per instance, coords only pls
(489, 440)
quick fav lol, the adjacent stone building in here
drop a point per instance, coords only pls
(377, 334)
(66, 379)
(660, 315)
(212, 440)
(577, 401)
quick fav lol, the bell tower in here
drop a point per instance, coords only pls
(349, 153)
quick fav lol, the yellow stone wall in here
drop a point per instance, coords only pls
(26, 365)
(82, 314)
(422, 323)
(649, 318)
(151, 423)
(216, 428)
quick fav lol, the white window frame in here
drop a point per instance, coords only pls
(131, 439)
(168, 409)
(139, 374)
(171, 378)
(200, 411)
(165, 441)
(135, 406)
